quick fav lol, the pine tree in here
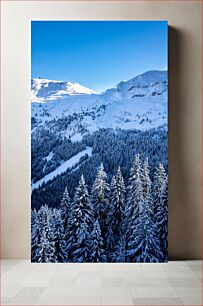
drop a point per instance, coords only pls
(145, 247)
(35, 233)
(119, 252)
(134, 205)
(135, 190)
(97, 244)
(45, 251)
(116, 213)
(111, 220)
(147, 184)
(82, 248)
(146, 244)
(60, 238)
(162, 219)
(80, 225)
(100, 195)
(120, 200)
(65, 207)
(159, 181)
(121, 242)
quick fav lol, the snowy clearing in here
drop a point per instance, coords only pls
(62, 168)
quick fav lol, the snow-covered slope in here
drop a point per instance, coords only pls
(139, 103)
(44, 90)
(63, 167)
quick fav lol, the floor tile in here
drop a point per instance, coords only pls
(157, 301)
(21, 301)
(147, 282)
(193, 262)
(6, 268)
(153, 267)
(176, 263)
(155, 274)
(178, 274)
(89, 282)
(126, 267)
(9, 292)
(45, 267)
(67, 274)
(73, 292)
(36, 279)
(116, 292)
(10, 279)
(90, 274)
(30, 292)
(177, 268)
(91, 267)
(61, 282)
(198, 274)
(154, 292)
(117, 301)
(192, 301)
(189, 291)
(196, 268)
(4, 301)
(113, 282)
(69, 301)
(186, 282)
(173, 283)
(122, 274)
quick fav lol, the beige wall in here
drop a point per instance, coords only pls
(184, 113)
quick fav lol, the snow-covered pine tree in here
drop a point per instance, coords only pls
(135, 188)
(45, 251)
(162, 219)
(100, 198)
(80, 225)
(147, 184)
(35, 233)
(135, 191)
(119, 252)
(60, 238)
(97, 244)
(110, 237)
(134, 204)
(149, 240)
(65, 207)
(146, 245)
(120, 202)
(158, 183)
(116, 213)
(119, 255)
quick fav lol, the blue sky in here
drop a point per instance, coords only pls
(97, 54)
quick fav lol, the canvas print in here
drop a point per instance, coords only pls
(99, 141)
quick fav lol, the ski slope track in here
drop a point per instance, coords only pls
(63, 167)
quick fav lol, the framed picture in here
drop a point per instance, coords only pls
(99, 141)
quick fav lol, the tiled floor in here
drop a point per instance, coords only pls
(174, 283)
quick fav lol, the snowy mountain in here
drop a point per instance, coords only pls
(75, 129)
(44, 90)
(139, 103)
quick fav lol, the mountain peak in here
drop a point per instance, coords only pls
(140, 103)
(44, 90)
(146, 79)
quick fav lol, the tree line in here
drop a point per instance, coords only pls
(112, 147)
(112, 223)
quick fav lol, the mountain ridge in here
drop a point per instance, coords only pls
(44, 90)
(139, 103)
